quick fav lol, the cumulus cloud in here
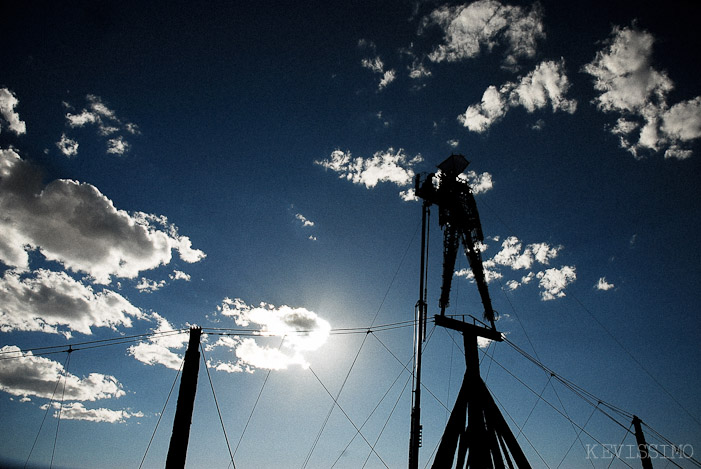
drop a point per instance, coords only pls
(517, 257)
(384, 166)
(483, 25)
(98, 114)
(37, 376)
(603, 285)
(75, 224)
(54, 302)
(545, 86)
(554, 281)
(146, 285)
(158, 350)
(8, 102)
(67, 146)
(179, 275)
(77, 411)
(303, 331)
(633, 89)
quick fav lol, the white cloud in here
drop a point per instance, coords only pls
(77, 411)
(483, 25)
(54, 302)
(67, 146)
(117, 146)
(179, 275)
(76, 225)
(513, 254)
(37, 376)
(108, 124)
(418, 70)
(377, 66)
(304, 220)
(146, 285)
(554, 281)
(603, 285)
(516, 257)
(453, 143)
(479, 183)
(384, 166)
(630, 86)
(158, 349)
(546, 85)
(303, 331)
(8, 102)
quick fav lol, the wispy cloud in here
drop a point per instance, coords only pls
(302, 330)
(8, 102)
(158, 350)
(483, 25)
(376, 65)
(75, 224)
(633, 89)
(77, 411)
(37, 377)
(304, 220)
(98, 114)
(554, 281)
(546, 85)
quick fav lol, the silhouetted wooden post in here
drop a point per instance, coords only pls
(642, 444)
(177, 452)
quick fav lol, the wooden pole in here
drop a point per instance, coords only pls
(177, 451)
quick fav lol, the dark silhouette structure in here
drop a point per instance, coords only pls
(476, 431)
(177, 451)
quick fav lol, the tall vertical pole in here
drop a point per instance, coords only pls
(177, 451)
(419, 335)
(642, 444)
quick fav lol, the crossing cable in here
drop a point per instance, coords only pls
(537, 359)
(216, 403)
(60, 408)
(255, 404)
(675, 447)
(577, 438)
(676, 401)
(48, 407)
(372, 448)
(406, 383)
(369, 416)
(345, 380)
(560, 412)
(162, 412)
(625, 435)
(638, 362)
(406, 368)
(73, 347)
(540, 396)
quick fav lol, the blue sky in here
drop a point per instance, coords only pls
(250, 167)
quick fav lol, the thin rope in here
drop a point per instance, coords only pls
(406, 383)
(625, 435)
(638, 362)
(255, 404)
(577, 438)
(345, 380)
(48, 408)
(540, 396)
(348, 417)
(60, 408)
(368, 417)
(162, 412)
(216, 403)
